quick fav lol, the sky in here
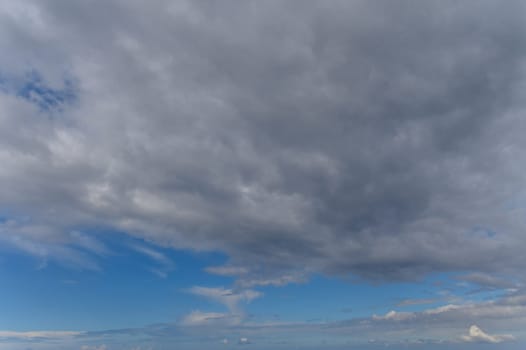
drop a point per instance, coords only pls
(262, 175)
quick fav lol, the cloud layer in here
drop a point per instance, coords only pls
(445, 327)
(381, 139)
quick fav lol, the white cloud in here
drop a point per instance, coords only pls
(46, 243)
(248, 278)
(404, 316)
(198, 318)
(394, 316)
(228, 297)
(243, 341)
(38, 334)
(165, 263)
(251, 281)
(153, 254)
(441, 309)
(441, 324)
(478, 335)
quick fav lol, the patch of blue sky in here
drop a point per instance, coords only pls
(332, 299)
(33, 88)
(127, 292)
(483, 232)
(124, 293)
(472, 292)
(454, 289)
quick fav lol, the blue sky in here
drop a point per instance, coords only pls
(51, 296)
(262, 174)
(127, 295)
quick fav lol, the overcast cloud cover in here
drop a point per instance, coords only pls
(379, 140)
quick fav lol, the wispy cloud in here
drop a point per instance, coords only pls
(198, 318)
(282, 280)
(33, 335)
(411, 302)
(228, 297)
(165, 264)
(46, 243)
(89, 243)
(231, 299)
(227, 270)
(488, 282)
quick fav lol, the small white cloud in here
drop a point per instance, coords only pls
(274, 281)
(159, 273)
(478, 335)
(394, 316)
(166, 264)
(228, 297)
(243, 341)
(153, 254)
(441, 309)
(199, 318)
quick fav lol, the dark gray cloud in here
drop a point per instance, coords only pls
(382, 139)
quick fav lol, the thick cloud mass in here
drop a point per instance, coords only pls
(378, 138)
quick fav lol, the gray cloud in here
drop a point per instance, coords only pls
(488, 282)
(382, 139)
